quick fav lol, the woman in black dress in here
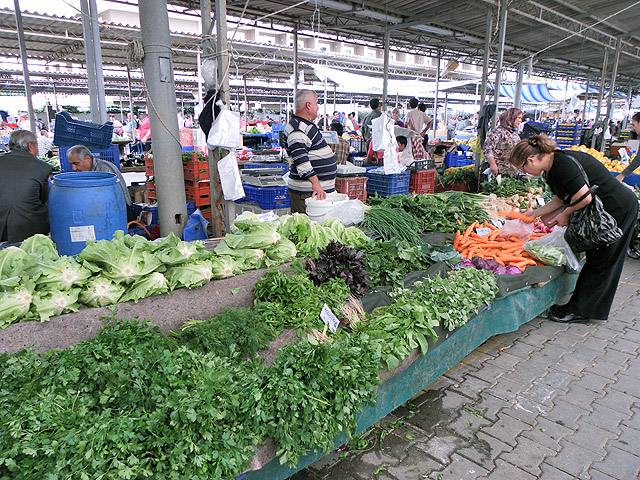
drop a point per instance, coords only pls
(599, 277)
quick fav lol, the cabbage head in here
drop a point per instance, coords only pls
(14, 305)
(41, 247)
(100, 292)
(190, 275)
(49, 304)
(154, 284)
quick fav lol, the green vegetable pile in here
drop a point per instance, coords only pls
(459, 175)
(440, 212)
(410, 320)
(387, 223)
(36, 283)
(387, 262)
(510, 186)
(132, 403)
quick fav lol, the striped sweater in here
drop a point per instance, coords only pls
(310, 155)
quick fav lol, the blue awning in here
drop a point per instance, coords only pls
(531, 93)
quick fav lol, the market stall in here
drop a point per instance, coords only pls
(399, 307)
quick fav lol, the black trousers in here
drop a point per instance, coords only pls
(598, 280)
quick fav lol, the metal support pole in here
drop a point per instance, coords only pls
(504, 10)
(435, 103)
(517, 102)
(223, 52)
(295, 65)
(97, 58)
(25, 66)
(246, 102)
(93, 55)
(161, 98)
(485, 60)
(397, 100)
(602, 80)
(586, 99)
(335, 86)
(326, 99)
(612, 88)
(89, 52)
(385, 72)
(446, 106)
(208, 52)
(55, 96)
(628, 115)
(564, 101)
(614, 74)
(129, 90)
(601, 94)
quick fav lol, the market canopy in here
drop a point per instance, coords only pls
(360, 83)
(531, 93)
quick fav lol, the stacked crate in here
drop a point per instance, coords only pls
(196, 181)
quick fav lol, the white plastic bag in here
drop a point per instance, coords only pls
(382, 129)
(335, 205)
(350, 212)
(554, 240)
(516, 228)
(225, 131)
(230, 177)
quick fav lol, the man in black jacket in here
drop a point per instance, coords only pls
(23, 189)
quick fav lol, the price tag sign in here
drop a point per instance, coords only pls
(540, 201)
(82, 234)
(268, 217)
(483, 232)
(329, 318)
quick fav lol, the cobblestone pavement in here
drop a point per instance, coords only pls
(549, 401)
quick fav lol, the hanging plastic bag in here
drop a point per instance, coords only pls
(196, 227)
(516, 228)
(553, 249)
(382, 132)
(225, 131)
(230, 178)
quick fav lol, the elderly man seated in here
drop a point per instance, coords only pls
(81, 160)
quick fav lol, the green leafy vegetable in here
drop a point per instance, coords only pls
(222, 266)
(61, 274)
(388, 223)
(153, 284)
(14, 305)
(235, 332)
(191, 275)
(100, 292)
(40, 246)
(49, 304)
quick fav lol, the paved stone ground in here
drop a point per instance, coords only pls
(549, 401)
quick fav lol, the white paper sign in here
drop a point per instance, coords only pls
(82, 234)
(329, 318)
(483, 232)
(268, 217)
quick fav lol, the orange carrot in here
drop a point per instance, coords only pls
(513, 215)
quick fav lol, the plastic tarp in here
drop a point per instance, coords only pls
(532, 93)
(367, 84)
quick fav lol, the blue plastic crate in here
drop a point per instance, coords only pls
(190, 148)
(387, 185)
(109, 154)
(69, 131)
(282, 166)
(152, 210)
(457, 159)
(269, 198)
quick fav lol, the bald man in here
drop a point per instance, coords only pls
(313, 163)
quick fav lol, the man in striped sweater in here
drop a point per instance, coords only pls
(313, 163)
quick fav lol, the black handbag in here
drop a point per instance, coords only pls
(591, 227)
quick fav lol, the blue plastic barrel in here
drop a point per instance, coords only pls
(85, 206)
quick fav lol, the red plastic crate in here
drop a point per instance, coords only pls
(196, 171)
(151, 188)
(148, 170)
(198, 192)
(355, 187)
(423, 181)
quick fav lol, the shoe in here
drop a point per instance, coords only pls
(558, 310)
(567, 318)
(633, 254)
